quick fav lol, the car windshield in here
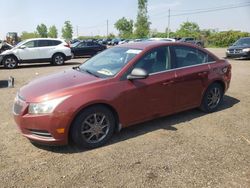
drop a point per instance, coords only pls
(109, 62)
(20, 43)
(75, 44)
(242, 42)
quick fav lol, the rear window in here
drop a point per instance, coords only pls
(188, 56)
(55, 42)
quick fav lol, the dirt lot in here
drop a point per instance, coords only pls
(190, 149)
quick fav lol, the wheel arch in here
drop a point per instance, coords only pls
(64, 56)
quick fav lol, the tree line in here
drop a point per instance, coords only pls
(43, 32)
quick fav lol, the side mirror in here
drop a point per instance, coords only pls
(22, 47)
(137, 73)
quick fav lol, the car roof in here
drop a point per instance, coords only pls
(44, 39)
(146, 44)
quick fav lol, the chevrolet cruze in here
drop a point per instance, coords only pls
(122, 86)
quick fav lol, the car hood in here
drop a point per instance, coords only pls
(56, 85)
(6, 52)
(238, 47)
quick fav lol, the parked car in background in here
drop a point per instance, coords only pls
(192, 40)
(74, 41)
(86, 48)
(36, 50)
(241, 48)
(162, 39)
(115, 41)
(121, 86)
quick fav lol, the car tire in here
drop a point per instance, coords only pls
(93, 127)
(72, 55)
(212, 98)
(10, 62)
(58, 59)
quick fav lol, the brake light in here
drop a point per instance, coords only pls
(67, 45)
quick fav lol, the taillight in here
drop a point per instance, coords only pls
(67, 45)
(227, 70)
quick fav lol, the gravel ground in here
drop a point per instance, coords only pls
(189, 149)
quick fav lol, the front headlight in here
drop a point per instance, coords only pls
(46, 107)
(246, 50)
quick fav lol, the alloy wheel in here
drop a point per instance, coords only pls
(59, 60)
(95, 128)
(10, 62)
(213, 97)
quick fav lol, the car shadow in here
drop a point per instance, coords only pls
(41, 65)
(167, 123)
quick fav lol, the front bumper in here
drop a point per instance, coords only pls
(1, 59)
(238, 55)
(49, 129)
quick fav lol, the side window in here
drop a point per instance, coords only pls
(155, 61)
(90, 44)
(188, 56)
(82, 45)
(43, 43)
(30, 44)
(54, 42)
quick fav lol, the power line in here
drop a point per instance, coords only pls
(197, 11)
(209, 10)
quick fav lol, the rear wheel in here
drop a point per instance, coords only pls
(10, 62)
(93, 127)
(212, 98)
(58, 59)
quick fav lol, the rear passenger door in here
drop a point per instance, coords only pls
(192, 72)
(46, 48)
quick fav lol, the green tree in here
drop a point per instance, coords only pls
(42, 30)
(53, 33)
(125, 27)
(189, 29)
(142, 24)
(26, 35)
(67, 30)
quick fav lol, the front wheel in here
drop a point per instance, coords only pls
(10, 62)
(212, 98)
(93, 127)
(58, 59)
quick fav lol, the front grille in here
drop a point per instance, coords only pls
(235, 51)
(41, 133)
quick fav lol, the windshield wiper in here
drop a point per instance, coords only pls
(76, 68)
(84, 70)
(90, 72)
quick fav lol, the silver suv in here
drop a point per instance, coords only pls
(36, 50)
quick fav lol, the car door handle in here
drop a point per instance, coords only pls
(202, 74)
(168, 82)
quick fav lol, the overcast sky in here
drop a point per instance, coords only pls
(90, 15)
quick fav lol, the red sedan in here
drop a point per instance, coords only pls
(119, 87)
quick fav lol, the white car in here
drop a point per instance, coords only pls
(36, 50)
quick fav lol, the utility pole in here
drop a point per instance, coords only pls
(168, 22)
(107, 28)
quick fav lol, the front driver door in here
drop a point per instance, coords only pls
(29, 52)
(154, 96)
